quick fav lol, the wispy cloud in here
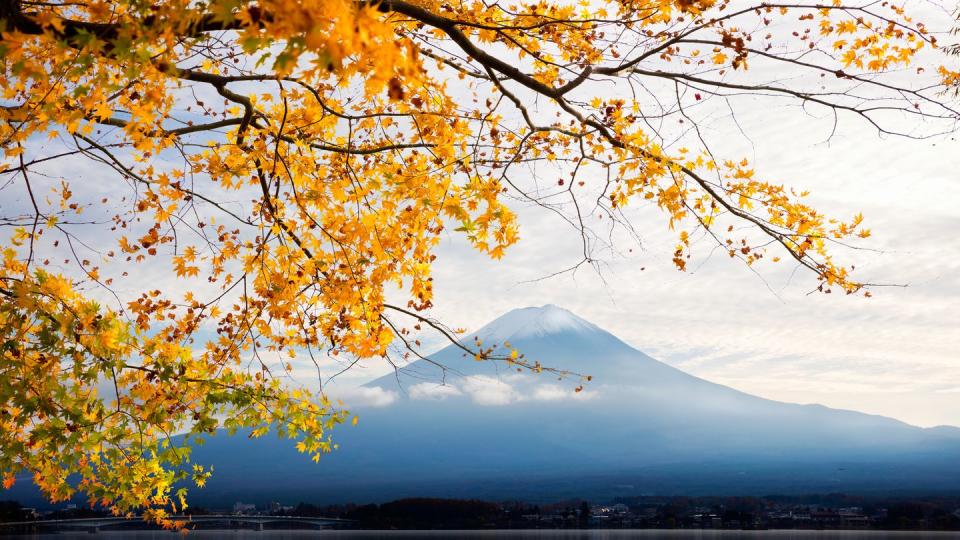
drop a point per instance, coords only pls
(433, 391)
(363, 396)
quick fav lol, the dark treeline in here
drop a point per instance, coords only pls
(11, 511)
(423, 513)
(830, 511)
(819, 511)
(816, 511)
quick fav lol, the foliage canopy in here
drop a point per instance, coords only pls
(294, 162)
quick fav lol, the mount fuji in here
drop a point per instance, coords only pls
(456, 427)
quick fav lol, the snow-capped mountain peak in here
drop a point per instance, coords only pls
(533, 322)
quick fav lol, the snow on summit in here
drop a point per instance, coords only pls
(532, 322)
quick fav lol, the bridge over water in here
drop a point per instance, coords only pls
(206, 522)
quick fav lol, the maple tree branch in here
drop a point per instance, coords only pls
(803, 96)
(186, 130)
(449, 27)
(76, 32)
(126, 171)
(481, 354)
(838, 73)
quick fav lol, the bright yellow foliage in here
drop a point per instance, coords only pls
(293, 163)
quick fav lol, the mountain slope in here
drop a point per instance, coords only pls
(480, 429)
(549, 334)
(635, 392)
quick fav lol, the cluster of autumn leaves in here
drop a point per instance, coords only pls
(293, 163)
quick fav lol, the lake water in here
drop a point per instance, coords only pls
(507, 535)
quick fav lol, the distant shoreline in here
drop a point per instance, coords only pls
(520, 534)
(830, 512)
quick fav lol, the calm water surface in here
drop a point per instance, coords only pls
(505, 535)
